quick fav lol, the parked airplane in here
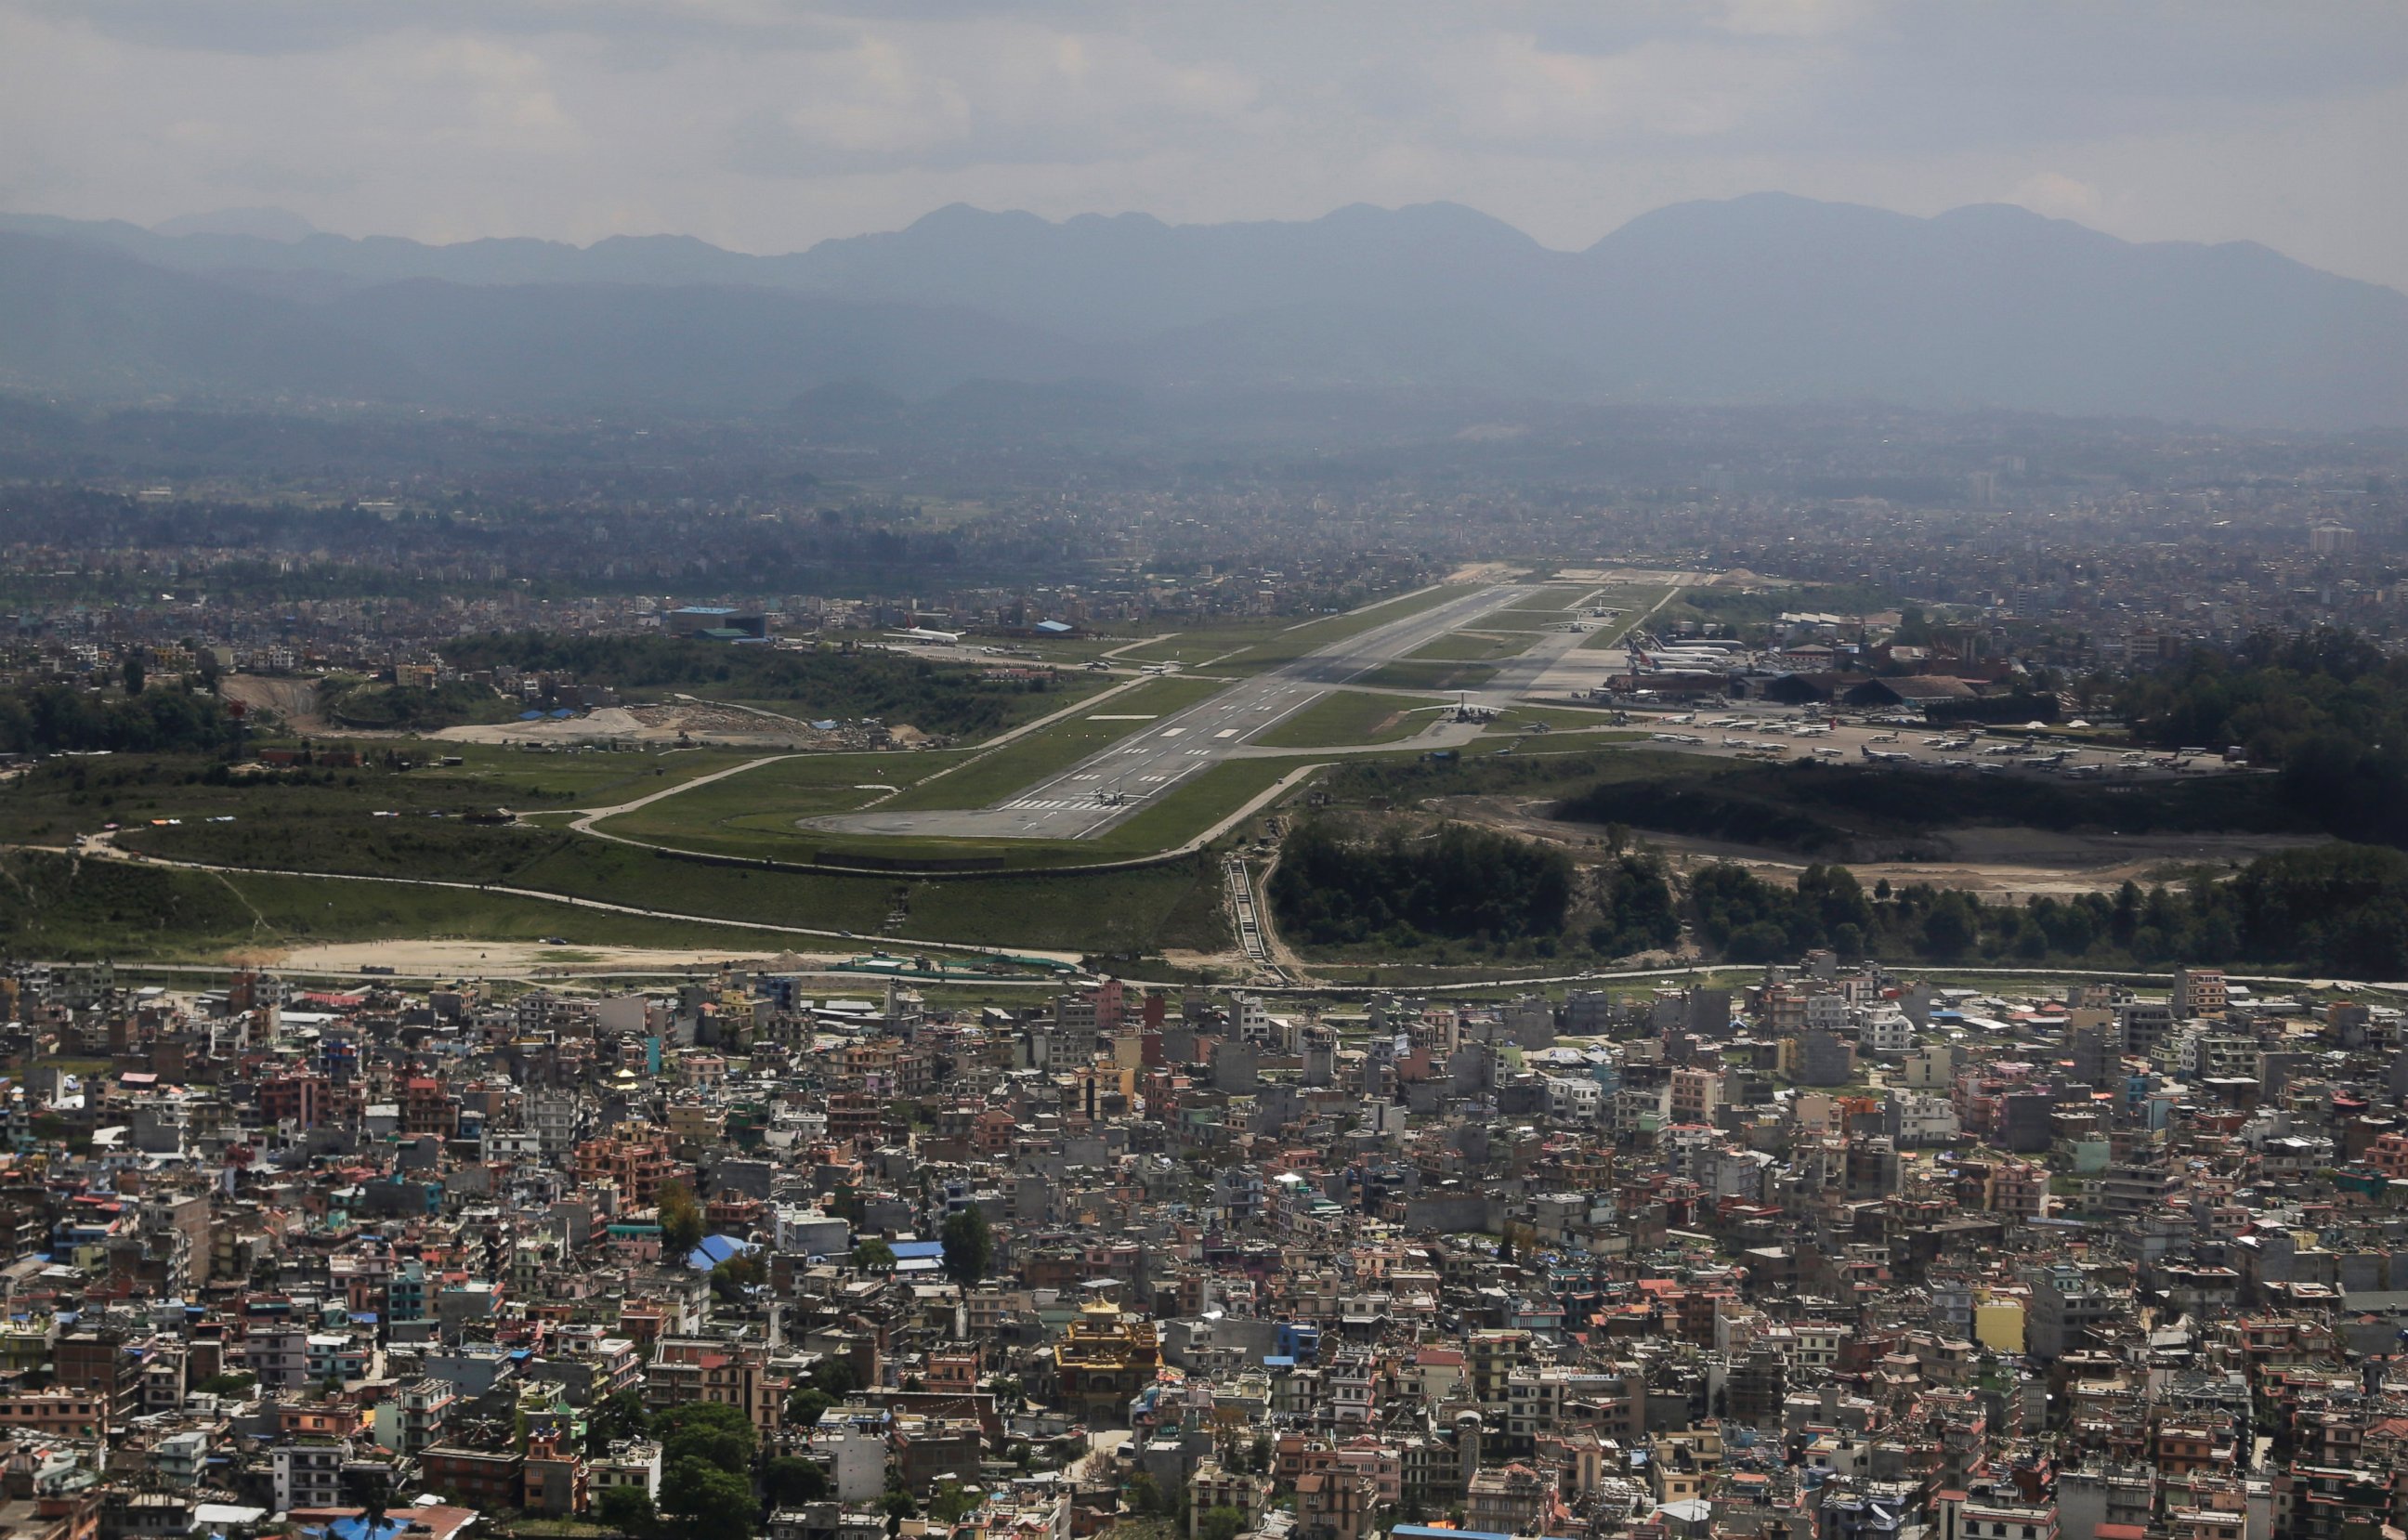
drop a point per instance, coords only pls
(923, 636)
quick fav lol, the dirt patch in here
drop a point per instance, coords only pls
(291, 701)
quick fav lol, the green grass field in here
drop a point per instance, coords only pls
(1354, 716)
(1473, 646)
(754, 813)
(64, 797)
(1413, 675)
(53, 906)
(1554, 598)
(1144, 909)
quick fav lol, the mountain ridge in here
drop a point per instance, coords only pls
(1765, 299)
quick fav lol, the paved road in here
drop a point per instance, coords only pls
(1079, 802)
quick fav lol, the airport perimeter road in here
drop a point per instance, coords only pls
(1124, 779)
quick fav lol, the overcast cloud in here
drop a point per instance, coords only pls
(765, 126)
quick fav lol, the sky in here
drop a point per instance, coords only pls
(765, 126)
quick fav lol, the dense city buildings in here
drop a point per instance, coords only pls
(1577, 1264)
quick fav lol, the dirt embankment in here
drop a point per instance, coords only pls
(291, 701)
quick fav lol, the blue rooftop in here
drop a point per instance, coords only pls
(918, 1250)
(715, 1249)
(355, 1527)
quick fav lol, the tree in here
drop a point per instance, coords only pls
(705, 1431)
(627, 1509)
(731, 1278)
(618, 1416)
(373, 1491)
(1145, 1494)
(807, 1405)
(873, 1255)
(790, 1480)
(681, 1221)
(1950, 930)
(134, 674)
(969, 1245)
(713, 1504)
(950, 1502)
(832, 1376)
(1221, 1523)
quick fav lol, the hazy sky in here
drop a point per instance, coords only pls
(765, 126)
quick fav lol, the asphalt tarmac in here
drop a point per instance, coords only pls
(1125, 779)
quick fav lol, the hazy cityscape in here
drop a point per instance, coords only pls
(975, 772)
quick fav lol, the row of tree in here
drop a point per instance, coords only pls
(1400, 889)
(2337, 908)
(2332, 908)
(53, 719)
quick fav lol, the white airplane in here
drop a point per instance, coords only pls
(1689, 644)
(923, 636)
(1883, 756)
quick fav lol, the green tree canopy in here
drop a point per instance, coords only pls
(789, 1480)
(968, 1243)
(627, 1509)
(711, 1504)
(707, 1431)
(681, 1220)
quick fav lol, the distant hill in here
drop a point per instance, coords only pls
(1780, 298)
(96, 325)
(1761, 299)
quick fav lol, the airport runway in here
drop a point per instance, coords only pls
(1125, 779)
